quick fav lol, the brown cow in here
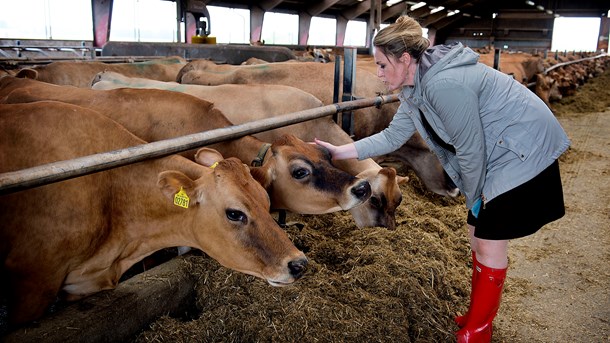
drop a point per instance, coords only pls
(311, 77)
(547, 89)
(265, 101)
(523, 67)
(300, 177)
(78, 237)
(80, 73)
(317, 79)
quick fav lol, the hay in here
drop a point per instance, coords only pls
(593, 96)
(372, 284)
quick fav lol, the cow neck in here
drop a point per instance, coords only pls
(260, 157)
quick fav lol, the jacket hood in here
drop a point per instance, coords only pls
(440, 57)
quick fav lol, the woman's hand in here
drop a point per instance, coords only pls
(340, 152)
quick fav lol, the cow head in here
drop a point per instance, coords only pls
(380, 208)
(232, 223)
(299, 177)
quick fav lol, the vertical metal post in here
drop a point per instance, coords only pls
(374, 23)
(497, 59)
(336, 85)
(349, 84)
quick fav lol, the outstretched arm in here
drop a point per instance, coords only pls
(341, 152)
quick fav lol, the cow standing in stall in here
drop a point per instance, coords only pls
(80, 73)
(298, 176)
(77, 237)
(523, 67)
(266, 101)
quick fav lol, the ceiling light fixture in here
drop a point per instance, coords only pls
(392, 2)
(531, 3)
(438, 9)
(418, 5)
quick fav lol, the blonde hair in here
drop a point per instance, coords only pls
(405, 35)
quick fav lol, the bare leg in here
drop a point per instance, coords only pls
(492, 253)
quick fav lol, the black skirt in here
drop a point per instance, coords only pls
(523, 210)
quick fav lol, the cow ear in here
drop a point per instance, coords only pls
(390, 172)
(27, 73)
(171, 182)
(262, 175)
(207, 156)
(401, 180)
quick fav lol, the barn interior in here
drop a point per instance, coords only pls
(425, 267)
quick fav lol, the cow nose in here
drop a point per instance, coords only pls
(297, 267)
(362, 190)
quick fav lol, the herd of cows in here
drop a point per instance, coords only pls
(78, 237)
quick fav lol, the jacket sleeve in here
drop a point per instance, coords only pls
(397, 133)
(457, 108)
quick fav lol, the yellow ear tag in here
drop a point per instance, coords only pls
(181, 199)
(214, 165)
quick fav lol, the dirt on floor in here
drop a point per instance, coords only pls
(406, 285)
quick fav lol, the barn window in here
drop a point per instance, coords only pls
(46, 19)
(143, 21)
(355, 33)
(322, 31)
(230, 25)
(289, 24)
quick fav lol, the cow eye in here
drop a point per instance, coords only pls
(236, 216)
(300, 173)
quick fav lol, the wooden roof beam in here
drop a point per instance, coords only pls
(394, 11)
(320, 7)
(433, 18)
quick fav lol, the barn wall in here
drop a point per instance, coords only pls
(510, 30)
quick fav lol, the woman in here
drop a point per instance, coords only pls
(497, 141)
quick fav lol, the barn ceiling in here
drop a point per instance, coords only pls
(469, 10)
(522, 24)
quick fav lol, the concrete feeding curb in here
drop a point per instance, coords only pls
(117, 315)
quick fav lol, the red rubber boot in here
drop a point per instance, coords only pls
(484, 305)
(461, 320)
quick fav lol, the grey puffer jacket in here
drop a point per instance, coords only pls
(502, 133)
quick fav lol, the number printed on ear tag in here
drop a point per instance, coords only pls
(181, 199)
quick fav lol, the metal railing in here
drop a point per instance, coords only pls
(62, 170)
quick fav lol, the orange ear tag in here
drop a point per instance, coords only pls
(181, 199)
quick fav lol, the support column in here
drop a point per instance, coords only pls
(304, 23)
(101, 11)
(431, 36)
(257, 15)
(341, 29)
(374, 23)
(604, 32)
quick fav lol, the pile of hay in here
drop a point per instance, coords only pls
(593, 96)
(362, 285)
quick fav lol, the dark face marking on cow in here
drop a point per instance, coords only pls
(327, 178)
